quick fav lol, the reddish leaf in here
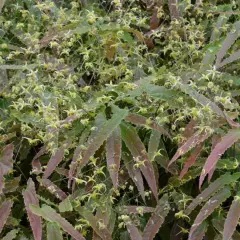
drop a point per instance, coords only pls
(51, 187)
(199, 233)
(232, 219)
(6, 163)
(30, 197)
(113, 153)
(134, 173)
(211, 189)
(157, 219)
(36, 165)
(154, 21)
(189, 129)
(56, 158)
(138, 209)
(5, 210)
(143, 121)
(51, 215)
(136, 147)
(209, 207)
(133, 231)
(193, 141)
(227, 141)
(173, 7)
(191, 160)
(215, 140)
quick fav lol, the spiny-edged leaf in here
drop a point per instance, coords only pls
(133, 230)
(191, 160)
(5, 210)
(232, 218)
(211, 189)
(153, 144)
(65, 205)
(189, 130)
(200, 232)
(157, 218)
(93, 221)
(143, 121)
(193, 141)
(102, 135)
(228, 42)
(30, 197)
(204, 101)
(36, 165)
(134, 173)
(209, 207)
(51, 215)
(11, 235)
(54, 189)
(11, 185)
(53, 232)
(6, 163)
(235, 56)
(137, 209)
(215, 140)
(113, 154)
(227, 141)
(136, 147)
(56, 158)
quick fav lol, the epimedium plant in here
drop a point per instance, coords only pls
(113, 114)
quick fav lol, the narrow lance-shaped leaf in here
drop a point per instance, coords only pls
(153, 144)
(102, 135)
(193, 141)
(94, 223)
(6, 163)
(209, 207)
(157, 219)
(229, 41)
(11, 235)
(191, 160)
(200, 232)
(211, 189)
(113, 153)
(30, 197)
(133, 230)
(232, 218)
(5, 210)
(134, 173)
(173, 7)
(143, 121)
(136, 147)
(53, 232)
(54, 189)
(227, 141)
(54, 161)
(235, 56)
(51, 215)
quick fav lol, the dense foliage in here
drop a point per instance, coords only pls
(112, 115)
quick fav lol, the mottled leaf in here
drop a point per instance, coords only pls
(143, 121)
(227, 141)
(200, 232)
(54, 189)
(51, 215)
(5, 210)
(157, 219)
(191, 160)
(113, 154)
(30, 197)
(211, 189)
(136, 147)
(53, 232)
(209, 207)
(193, 141)
(232, 218)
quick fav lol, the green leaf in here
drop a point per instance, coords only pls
(65, 205)
(11, 235)
(53, 232)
